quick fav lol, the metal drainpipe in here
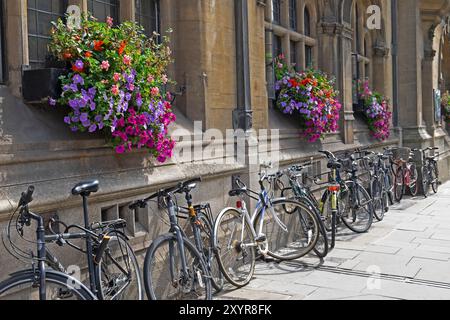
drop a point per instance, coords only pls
(394, 13)
(242, 115)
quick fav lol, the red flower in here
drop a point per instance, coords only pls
(98, 45)
(75, 69)
(88, 54)
(122, 47)
(293, 82)
(67, 55)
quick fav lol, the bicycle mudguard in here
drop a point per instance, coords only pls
(217, 219)
(75, 283)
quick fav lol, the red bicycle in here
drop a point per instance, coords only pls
(406, 174)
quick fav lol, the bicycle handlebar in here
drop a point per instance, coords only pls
(27, 197)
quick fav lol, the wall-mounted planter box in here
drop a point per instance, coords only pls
(39, 84)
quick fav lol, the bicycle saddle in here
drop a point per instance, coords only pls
(85, 188)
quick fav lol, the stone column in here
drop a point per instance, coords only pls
(336, 59)
(428, 90)
(410, 75)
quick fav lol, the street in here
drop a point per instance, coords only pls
(406, 256)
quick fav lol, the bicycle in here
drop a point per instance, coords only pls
(380, 186)
(239, 237)
(39, 282)
(406, 174)
(430, 171)
(353, 205)
(174, 269)
(113, 270)
(201, 220)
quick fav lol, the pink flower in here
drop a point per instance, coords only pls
(115, 90)
(110, 21)
(120, 149)
(131, 87)
(165, 79)
(116, 77)
(150, 79)
(105, 65)
(127, 60)
(155, 91)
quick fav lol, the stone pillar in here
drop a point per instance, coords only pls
(127, 10)
(428, 90)
(410, 75)
(336, 60)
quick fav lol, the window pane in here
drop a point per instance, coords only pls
(40, 14)
(294, 60)
(101, 9)
(293, 14)
(277, 46)
(308, 56)
(147, 15)
(307, 22)
(276, 11)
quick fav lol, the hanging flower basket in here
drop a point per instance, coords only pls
(310, 97)
(375, 110)
(115, 84)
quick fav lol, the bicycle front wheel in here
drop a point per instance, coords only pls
(413, 181)
(434, 177)
(164, 277)
(58, 286)
(399, 184)
(235, 246)
(292, 233)
(118, 273)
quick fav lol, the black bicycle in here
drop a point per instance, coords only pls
(430, 171)
(113, 269)
(39, 282)
(174, 269)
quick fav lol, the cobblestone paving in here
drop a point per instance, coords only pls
(406, 256)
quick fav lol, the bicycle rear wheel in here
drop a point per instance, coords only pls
(358, 216)
(378, 199)
(118, 273)
(210, 252)
(399, 184)
(164, 277)
(236, 248)
(59, 286)
(301, 234)
(413, 181)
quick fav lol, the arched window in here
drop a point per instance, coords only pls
(148, 15)
(307, 22)
(40, 14)
(101, 9)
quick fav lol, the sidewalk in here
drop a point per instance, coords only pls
(406, 256)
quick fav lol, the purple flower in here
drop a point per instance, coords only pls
(77, 79)
(84, 117)
(86, 123)
(79, 64)
(98, 118)
(73, 103)
(67, 120)
(93, 106)
(128, 96)
(139, 102)
(101, 125)
(74, 129)
(92, 92)
(93, 128)
(73, 87)
(52, 102)
(75, 119)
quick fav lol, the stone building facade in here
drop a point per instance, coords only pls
(224, 79)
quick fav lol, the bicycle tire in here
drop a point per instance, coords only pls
(240, 273)
(310, 232)
(426, 181)
(434, 177)
(377, 195)
(366, 202)
(413, 180)
(198, 270)
(210, 252)
(106, 279)
(399, 184)
(27, 277)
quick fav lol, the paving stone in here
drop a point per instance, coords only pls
(331, 294)
(248, 294)
(332, 280)
(417, 253)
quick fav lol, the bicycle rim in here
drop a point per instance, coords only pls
(378, 200)
(359, 216)
(302, 229)
(118, 273)
(236, 254)
(164, 277)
